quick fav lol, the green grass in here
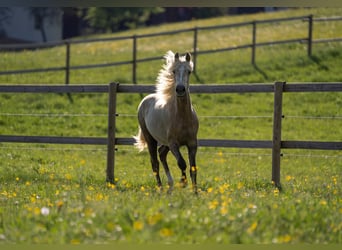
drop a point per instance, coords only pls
(57, 193)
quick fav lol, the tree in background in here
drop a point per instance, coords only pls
(43, 14)
(5, 14)
(104, 19)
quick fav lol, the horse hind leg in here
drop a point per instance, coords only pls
(163, 151)
(152, 146)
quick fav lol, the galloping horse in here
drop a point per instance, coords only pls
(168, 118)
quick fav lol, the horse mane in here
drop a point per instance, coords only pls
(165, 87)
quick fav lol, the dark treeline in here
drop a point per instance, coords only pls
(79, 21)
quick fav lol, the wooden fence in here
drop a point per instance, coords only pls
(276, 144)
(195, 32)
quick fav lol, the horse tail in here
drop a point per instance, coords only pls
(140, 142)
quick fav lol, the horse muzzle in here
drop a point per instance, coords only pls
(180, 90)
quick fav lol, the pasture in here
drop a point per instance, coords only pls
(58, 194)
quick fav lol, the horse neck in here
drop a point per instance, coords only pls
(183, 105)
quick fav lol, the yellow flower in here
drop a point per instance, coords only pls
(59, 204)
(323, 202)
(17, 178)
(288, 178)
(75, 241)
(194, 168)
(284, 238)
(166, 232)
(68, 176)
(213, 204)
(154, 219)
(109, 185)
(224, 210)
(36, 211)
(209, 190)
(252, 227)
(138, 225)
(276, 192)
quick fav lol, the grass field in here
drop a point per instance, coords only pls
(57, 194)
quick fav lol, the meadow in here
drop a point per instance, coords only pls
(58, 194)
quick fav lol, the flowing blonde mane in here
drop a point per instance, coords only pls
(165, 87)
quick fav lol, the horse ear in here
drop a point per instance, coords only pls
(176, 57)
(188, 57)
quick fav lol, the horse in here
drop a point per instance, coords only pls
(167, 119)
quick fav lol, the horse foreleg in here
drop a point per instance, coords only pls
(193, 168)
(180, 161)
(163, 151)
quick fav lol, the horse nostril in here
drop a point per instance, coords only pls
(180, 89)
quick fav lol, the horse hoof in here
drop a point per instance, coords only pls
(183, 183)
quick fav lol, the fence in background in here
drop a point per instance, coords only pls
(195, 33)
(113, 89)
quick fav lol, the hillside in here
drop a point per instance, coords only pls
(280, 62)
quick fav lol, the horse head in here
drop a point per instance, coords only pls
(182, 69)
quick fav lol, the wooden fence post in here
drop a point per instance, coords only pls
(111, 131)
(67, 63)
(276, 142)
(310, 35)
(194, 57)
(253, 42)
(134, 76)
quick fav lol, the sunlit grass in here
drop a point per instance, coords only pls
(58, 194)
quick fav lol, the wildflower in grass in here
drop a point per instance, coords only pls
(138, 225)
(194, 168)
(36, 211)
(68, 176)
(89, 213)
(17, 178)
(209, 190)
(82, 162)
(110, 185)
(166, 232)
(45, 211)
(213, 204)
(289, 178)
(240, 185)
(276, 192)
(154, 219)
(75, 242)
(142, 189)
(59, 205)
(223, 188)
(323, 202)
(27, 183)
(252, 227)
(217, 178)
(33, 198)
(284, 238)
(223, 209)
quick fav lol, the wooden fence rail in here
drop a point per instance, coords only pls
(113, 89)
(195, 30)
